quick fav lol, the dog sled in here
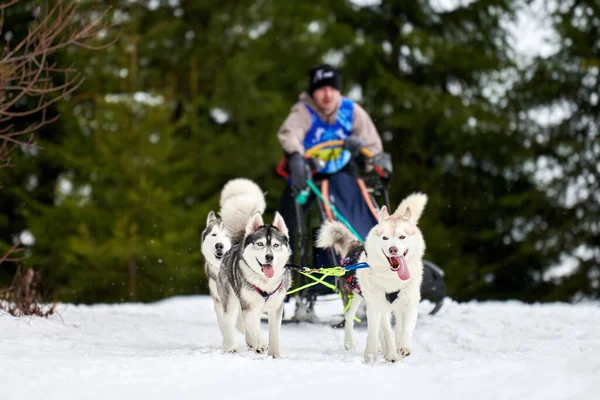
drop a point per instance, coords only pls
(320, 281)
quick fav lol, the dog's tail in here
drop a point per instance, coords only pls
(416, 203)
(334, 233)
(240, 199)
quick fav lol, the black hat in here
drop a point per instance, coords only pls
(324, 75)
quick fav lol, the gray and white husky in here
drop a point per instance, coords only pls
(253, 279)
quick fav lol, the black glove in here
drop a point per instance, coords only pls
(354, 144)
(383, 160)
(298, 173)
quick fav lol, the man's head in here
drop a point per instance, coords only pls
(325, 83)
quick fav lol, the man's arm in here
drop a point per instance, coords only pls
(364, 128)
(294, 128)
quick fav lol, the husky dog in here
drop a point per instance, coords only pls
(215, 243)
(252, 275)
(394, 250)
(240, 199)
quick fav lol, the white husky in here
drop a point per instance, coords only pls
(394, 250)
(215, 243)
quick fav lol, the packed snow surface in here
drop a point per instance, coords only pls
(172, 350)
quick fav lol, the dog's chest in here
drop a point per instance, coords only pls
(212, 271)
(268, 296)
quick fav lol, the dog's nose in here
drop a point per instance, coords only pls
(393, 251)
(219, 246)
(269, 258)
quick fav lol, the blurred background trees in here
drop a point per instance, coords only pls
(192, 95)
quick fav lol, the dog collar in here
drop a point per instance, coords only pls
(264, 294)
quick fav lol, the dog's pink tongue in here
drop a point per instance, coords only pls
(268, 270)
(403, 272)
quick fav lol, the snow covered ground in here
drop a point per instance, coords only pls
(171, 350)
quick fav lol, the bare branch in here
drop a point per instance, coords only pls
(10, 3)
(15, 249)
(26, 78)
(27, 88)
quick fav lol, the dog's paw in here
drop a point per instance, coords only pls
(403, 352)
(260, 348)
(230, 348)
(392, 357)
(274, 354)
(370, 358)
(349, 345)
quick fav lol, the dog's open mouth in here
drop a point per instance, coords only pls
(219, 255)
(398, 265)
(267, 269)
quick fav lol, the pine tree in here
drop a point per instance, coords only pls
(425, 74)
(33, 80)
(561, 92)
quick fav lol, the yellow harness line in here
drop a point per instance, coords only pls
(333, 271)
(325, 272)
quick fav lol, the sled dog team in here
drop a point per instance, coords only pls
(245, 265)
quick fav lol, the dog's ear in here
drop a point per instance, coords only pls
(383, 213)
(279, 223)
(211, 217)
(255, 222)
(407, 214)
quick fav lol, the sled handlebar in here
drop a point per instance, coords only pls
(334, 143)
(312, 153)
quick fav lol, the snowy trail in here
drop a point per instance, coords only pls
(171, 349)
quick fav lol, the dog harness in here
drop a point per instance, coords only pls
(352, 258)
(320, 131)
(391, 297)
(264, 294)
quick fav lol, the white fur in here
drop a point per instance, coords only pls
(218, 234)
(241, 198)
(416, 203)
(379, 279)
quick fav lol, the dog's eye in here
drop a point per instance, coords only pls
(276, 245)
(213, 234)
(385, 238)
(402, 237)
(260, 244)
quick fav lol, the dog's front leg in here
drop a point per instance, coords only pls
(349, 322)
(239, 324)
(254, 337)
(373, 325)
(406, 309)
(226, 323)
(275, 317)
(389, 347)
